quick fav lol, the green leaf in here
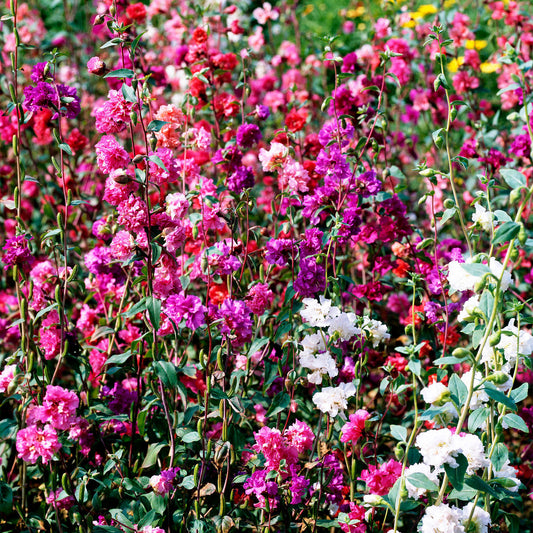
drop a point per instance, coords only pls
(192, 436)
(477, 483)
(166, 372)
(499, 456)
(476, 269)
(486, 303)
(520, 393)
(399, 433)
(6, 498)
(449, 360)
(152, 454)
(280, 402)
(154, 310)
(457, 475)
(129, 94)
(156, 159)
(515, 421)
(66, 148)
(156, 125)
(120, 73)
(118, 358)
(458, 390)
(513, 178)
(500, 397)
(146, 520)
(476, 418)
(188, 483)
(449, 213)
(258, 344)
(506, 232)
(139, 307)
(420, 480)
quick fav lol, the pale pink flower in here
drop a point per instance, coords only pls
(6, 377)
(273, 158)
(265, 13)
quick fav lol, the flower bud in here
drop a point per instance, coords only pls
(449, 203)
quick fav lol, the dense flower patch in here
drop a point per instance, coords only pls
(266, 267)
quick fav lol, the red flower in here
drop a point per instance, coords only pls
(136, 12)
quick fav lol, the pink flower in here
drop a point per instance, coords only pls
(110, 155)
(61, 503)
(122, 245)
(273, 158)
(355, 522)
(300, 436)
(59, 407)
(133, 213)
(274, 447)
(169, 136)
(114, 115)
(34, 442)
(380, 479)
(6, 377)
(265, 13)
(96, 66)
(260, 298)
(353, 430)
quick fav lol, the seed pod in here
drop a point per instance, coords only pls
(495, 338)
(195, 474)
(522, 235)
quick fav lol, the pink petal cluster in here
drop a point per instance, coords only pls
(380, 479)
(352, 431)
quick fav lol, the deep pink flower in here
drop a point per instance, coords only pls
(34, 442)
(300, 435)
(380, 479)
(59, 407)
(352, 431)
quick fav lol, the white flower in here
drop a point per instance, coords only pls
(508, 472)
(417, 492)
(313, 343)
(375, 331)
(435, 393)
(320, 364)
(519, 342)
(479, 396)
(437, 447)
(459, 279)
(331, 400)
(480, 519)
(497, 269)
(344, 326)
(482, 217)
(319, 314)
(472, 448)
(442, 519)
(468, 308)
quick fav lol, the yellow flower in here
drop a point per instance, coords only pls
(454, 64)
(475, 45)
(427, 9)
(355, 13)
(448, 3)
(308, 9)
(489, 68)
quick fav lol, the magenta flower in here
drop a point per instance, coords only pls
(34, 443)
(352, 431)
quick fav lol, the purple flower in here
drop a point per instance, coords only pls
(180, 307)
(17, 253)
(121, 398)
(248, 135)
(370, 184)
(236, 321)
(241, 178)
(37, 72)
(59, 98)
(311, 278)
(262, 112)
(279, 251)
(311, 243)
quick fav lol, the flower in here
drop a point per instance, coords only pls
(442, 519)
(331, 400)
(459, 278)
(59, 407)
(482, 217)
(480, 520)
(320, 364)
(6, 377)
(319, 313)
(414, 491)
(34, 443)
(352, 431)
(470, 306)
(380, 479)
(375, 331)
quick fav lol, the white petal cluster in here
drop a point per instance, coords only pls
(433, 475)
(479, 396)
(435, 393)
(462, 280)
(497, 269)
(319, 364)
(442, 519)
(459, 279)
(441, 446)
(319, 313)
(519, 342)
(445, 519)
(344, 326)
(468, 308)
(480, 518)
(331, 400)
(375, 331)
(508, 472)
(482, 217)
